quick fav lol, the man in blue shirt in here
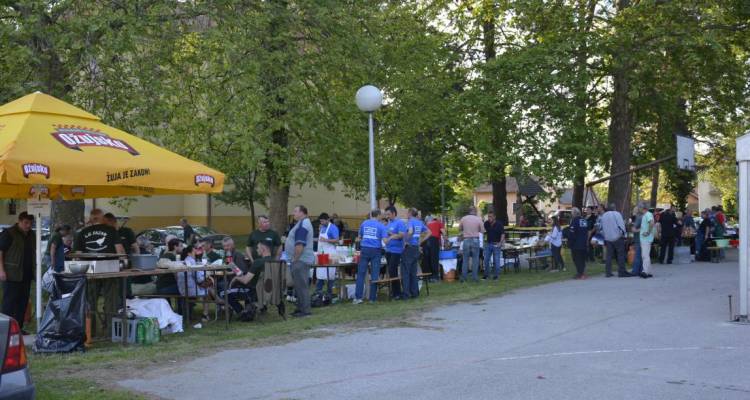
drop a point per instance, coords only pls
(394, 247)
(371, 235)
(416, 234)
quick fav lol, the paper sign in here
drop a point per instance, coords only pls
(39, 207)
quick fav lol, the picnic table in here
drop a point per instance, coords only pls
(124, 275)
(514, 251)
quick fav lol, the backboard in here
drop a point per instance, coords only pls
(685, 153)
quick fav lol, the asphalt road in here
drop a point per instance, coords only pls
(661, 338)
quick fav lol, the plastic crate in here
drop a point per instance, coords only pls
(117, 329)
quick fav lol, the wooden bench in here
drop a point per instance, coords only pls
(534, 261)
(715, 253)
(511, 256)
(386, 281)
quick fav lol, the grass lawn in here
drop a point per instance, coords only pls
(92, 374)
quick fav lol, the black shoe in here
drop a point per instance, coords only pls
(649, 276)
(609, 275)
(643, 275)
(624, 275)
(300, 314)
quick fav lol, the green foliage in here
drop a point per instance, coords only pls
(474, 89)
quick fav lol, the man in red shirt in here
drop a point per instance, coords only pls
(433, 246)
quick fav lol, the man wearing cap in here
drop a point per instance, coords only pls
(17, 262)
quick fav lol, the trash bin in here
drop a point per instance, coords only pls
(62, 328)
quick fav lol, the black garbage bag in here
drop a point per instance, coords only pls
(62, 329)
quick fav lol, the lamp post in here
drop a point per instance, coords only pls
(369, 99)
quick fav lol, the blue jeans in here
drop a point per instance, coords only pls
(368, 256)
(638, 260)
(409, 262)
(471, 257)
(319, 285)
(494, 252)
(699, 240)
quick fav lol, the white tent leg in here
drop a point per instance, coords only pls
(38, 219)
(744, 209)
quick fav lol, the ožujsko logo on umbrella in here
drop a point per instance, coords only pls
(203, 179)
(75, 137)
(35, 169)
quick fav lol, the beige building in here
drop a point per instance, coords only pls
(159, 211)
(708, 195)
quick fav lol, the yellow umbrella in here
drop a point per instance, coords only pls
(49, 148)
(52, 147)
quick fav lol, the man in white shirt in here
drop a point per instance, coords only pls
(613, 230)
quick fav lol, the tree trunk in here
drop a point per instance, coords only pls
(278, 205)
(620, 127)
(253, 218)
(67, 213)
(587, 8)
(500, 197)
(579, 188)
(654, 186)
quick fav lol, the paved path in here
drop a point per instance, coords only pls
(661, 338)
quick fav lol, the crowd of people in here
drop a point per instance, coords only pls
(405, 245)
(604, 231)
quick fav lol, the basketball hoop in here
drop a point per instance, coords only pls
(685, 153)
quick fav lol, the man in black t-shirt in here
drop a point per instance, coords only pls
(103, 239)
(264, 234)
(124, 234)
(99, 238)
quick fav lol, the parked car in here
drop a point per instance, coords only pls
(217, 241)
(15, 379)
(157, 236)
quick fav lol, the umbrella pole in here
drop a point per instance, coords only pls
(38, 220)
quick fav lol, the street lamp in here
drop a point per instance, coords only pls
(369, 99)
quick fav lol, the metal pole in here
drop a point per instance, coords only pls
(209, 212)
(631, 170)
(373, 196)
(38, 218)
(442, 191)
(744, 208)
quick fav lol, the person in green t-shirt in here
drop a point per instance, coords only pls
(264, 234)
